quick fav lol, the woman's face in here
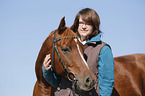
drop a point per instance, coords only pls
(84, 29)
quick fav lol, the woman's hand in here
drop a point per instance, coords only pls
(47, 62)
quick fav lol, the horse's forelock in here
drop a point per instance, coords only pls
(67, 32)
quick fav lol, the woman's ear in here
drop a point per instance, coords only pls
(61, 27)
(74, 27)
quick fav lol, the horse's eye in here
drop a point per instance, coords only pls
(66, 49)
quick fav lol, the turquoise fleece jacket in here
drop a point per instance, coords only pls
(105, 66)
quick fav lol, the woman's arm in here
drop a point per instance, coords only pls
(106, 71)
(48, 73)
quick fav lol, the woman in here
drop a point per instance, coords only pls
(90, 36)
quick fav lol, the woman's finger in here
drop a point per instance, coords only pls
(47, 62)
(48, 67)
(47, 58)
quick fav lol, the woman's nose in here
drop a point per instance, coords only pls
(84, 25)
(84, 28)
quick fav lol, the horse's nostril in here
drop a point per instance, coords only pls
(87, 80)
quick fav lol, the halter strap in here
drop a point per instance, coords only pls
(53, 56)
(65, 68)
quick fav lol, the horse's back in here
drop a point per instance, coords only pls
(129, 76)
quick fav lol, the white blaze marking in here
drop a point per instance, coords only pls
(81, 54)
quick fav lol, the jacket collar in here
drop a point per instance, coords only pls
(94, 39)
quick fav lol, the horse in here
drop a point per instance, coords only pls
(67, 60)
(129, 74)
(129, 70)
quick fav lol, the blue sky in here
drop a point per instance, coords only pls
(25, 24)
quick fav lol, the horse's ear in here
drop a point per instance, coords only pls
(74, 27)
(61, 27)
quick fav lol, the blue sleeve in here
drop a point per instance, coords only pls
(50, 76)
(106, 71)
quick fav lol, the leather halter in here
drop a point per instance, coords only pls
(65, 68)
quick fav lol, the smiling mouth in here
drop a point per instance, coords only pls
(84, 31)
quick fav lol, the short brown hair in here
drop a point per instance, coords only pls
(90, 16)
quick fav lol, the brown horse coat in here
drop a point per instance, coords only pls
(129, 74)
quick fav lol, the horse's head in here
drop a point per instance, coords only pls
(67, 57)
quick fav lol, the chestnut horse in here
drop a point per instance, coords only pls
(129, 70)
(67, 52)
(129, 76)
